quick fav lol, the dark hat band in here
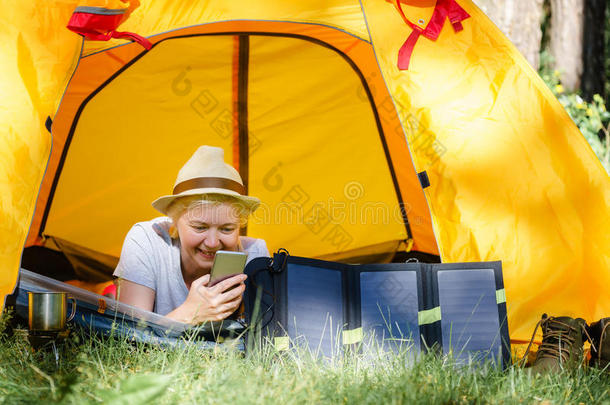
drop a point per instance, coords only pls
(209, 182)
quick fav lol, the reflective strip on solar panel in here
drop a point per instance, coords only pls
(315, 308)
(500, 296)
(281, 343)
(352, 336)
(469, 314)
(389, 304)
(429, 316)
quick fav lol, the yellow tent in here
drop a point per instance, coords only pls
(461, 153)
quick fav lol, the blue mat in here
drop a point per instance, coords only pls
(99, 314)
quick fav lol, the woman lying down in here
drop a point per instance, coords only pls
(165, 263)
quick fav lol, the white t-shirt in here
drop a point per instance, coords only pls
(150, 257)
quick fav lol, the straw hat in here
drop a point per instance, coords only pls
(207, 173)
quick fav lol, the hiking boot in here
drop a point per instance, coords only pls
(600, 344)
(562, 344)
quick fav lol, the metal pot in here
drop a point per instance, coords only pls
(47, 310)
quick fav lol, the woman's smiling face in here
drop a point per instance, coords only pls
(203, 230)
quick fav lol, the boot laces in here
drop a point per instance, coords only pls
(558, 339)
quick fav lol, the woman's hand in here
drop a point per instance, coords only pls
(215, 303)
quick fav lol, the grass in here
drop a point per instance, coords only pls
(109, 370)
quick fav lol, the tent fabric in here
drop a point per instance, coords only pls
(192, 97)
(308, 102)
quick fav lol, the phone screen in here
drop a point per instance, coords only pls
(227, 264)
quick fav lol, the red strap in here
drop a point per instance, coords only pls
(102, 27)
(443, 9)
(406, 50)
(455, 12)
(133, 36)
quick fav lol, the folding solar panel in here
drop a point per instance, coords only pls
(303, 304)
(471, 308)
(326, 305)
(458, 308)
(314, 312)
(390, 300)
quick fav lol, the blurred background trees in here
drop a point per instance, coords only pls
(521, 21)
(568, 42)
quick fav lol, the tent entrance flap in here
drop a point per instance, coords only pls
(293, 96)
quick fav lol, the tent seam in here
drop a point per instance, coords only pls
(434, 225)
(369, 41)
(80, 56)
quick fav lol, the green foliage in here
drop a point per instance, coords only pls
(607, 48)
(5, 320)
(137, 389)
(105, 370)
(592, 118)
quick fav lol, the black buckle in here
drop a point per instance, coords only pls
(276, 267)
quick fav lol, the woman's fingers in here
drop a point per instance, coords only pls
(223, 310)
(231, 304)
(220, 300)
(215, 299)
(232, 294)
(230, 282)
(228, 297)
(230, 307)
(201, 281)
(200, 285)
(217, 296)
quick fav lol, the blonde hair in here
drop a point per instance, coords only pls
(183, 204)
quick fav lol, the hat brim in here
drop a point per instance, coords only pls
(161, 204)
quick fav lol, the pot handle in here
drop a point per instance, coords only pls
(73, 309)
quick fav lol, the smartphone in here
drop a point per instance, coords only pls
(227, 264)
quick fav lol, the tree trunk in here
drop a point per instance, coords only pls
(567, 17)
(594, 75)
(520, 21)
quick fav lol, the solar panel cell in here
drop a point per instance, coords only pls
(389, 304)
(315, 308)
(469, 314)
